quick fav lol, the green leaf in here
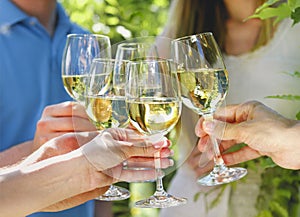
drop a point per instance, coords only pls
(281, 12)
(266, 5)
(296, 15)
(293, 74)
(298, 115)
(285, 97)
(196, 196)
(265, 213)
(293, 4)
(283, 193)
(278, 209)
(267, 163)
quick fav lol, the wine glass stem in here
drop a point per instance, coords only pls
(219, 162)
(159, 174)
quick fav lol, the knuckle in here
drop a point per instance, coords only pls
(42, 125)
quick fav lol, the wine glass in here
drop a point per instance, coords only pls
(79, 51)
(139, 49)
(106, 108)
(153, 101)
(136, 50)
(204, 84)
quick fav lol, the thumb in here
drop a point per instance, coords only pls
(222, 130)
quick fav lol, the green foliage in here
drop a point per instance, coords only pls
(279, 193)
(120, 20)
(279, 9)
(286, 97)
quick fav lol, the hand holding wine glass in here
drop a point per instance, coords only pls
(154, 107)
(204, 83)
(106, 108)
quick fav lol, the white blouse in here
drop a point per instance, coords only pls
(252, 76)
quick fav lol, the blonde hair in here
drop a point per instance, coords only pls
(187, 17)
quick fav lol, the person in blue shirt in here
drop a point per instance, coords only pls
(32, 38)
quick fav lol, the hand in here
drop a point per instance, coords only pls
(59, 119)
(262, 129)
(59, 146)
(125, 144)
(130, 144)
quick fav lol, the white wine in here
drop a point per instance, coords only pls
(203, 90)
(107, 111)
(75, 86)
(154, 115)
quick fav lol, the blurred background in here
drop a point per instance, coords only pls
(119, 19)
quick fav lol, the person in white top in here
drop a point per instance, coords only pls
(258, 55)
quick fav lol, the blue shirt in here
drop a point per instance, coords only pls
(30, 79)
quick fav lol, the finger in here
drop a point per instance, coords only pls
(199, 128)
(145, 149)
(227, 144)
(244, 154)
(223, 130)
(140, 163)
(240, 112)
(194, 158)
(65, 124)
(203, 143)
(137, 175)
(201, 171)
(65, 109)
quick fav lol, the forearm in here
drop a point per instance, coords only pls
(28, 189)
(15, 154)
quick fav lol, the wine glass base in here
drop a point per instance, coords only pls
(227, 176)
(163, 201)
(114, 193)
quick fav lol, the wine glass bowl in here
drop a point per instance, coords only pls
(137, 50)
(105, 97)
(79, 51)
(204, 84)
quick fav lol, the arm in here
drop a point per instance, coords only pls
(36, 186)
(15, 154)
(61, 174)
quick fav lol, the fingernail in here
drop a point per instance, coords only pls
(171, 162)
(209, 126)
(171, 152)
(162, 144)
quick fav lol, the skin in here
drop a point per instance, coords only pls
(58, 175)
(265, 132)
(242, 34)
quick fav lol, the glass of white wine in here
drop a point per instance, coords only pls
(106, 108)
(154, 106)
(204, 83)
(137, 50)
(79, 51)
